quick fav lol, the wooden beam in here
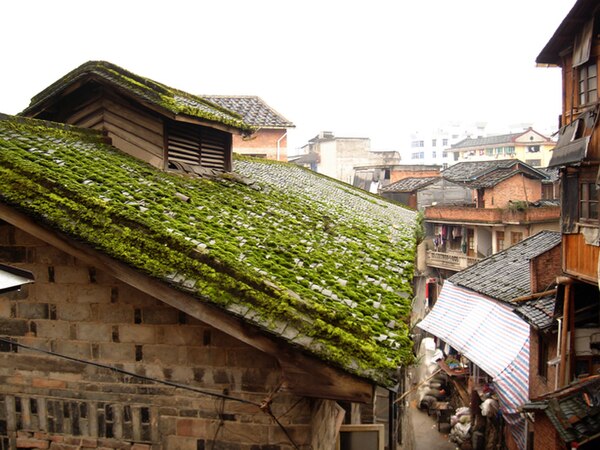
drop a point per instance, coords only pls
(303, 374)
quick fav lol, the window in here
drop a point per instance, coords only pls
(489, 152)
(433, 142)
(444, 154)
(533, 148)
(588, 201)
(499, 241)
(444, 141)
(417, 144)
(499, 150)
(418, 155)
(481, 152)
(588, 84)
(534, 162)
(433, 154)
(510, 150)
(515, 237)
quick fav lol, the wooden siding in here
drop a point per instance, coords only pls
(198, 145)
(580, 259)
(131, 130)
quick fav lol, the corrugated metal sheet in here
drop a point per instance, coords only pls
(490, 335)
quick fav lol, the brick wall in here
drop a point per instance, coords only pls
(545, 268)
(545, 436)
(539, 384)
(516, 188)
(262, 142)
(78, 311)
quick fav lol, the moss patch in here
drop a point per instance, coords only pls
(325, 266)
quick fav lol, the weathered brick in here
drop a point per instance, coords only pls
(13, 327)
(141, 447)
(74, 349)
(140, 334)
(160, 316)
(11, 255)
(71, 274)
(26, 310)
(114, 313)
(206, 356)
(48, 292)
(91, 293)
(117, 352)
(5, 308)
(181, 335)
(32, 443)
(93, 331)
(51, 256)
(56, 329)
(48, 384)
(73, 312)
(163, 354)
(181, 443)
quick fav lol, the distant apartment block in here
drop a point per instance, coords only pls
(528, 146)
(338, 156)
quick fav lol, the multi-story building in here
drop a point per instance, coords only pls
(505, 207)
(565, 412)
(431, 146)
(338, 156)
(528, 145)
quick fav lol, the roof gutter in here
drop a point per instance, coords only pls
(278, 144)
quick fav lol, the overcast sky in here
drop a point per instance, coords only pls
(376, 69)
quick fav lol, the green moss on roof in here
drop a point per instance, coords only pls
(316, 262)
(144, 89)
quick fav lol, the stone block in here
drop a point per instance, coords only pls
(161, 354)
(73, 312)
(45, 383)
(71, 274)
(13, 327)
(140, 334)
(52, 256)
(114, 313)
(5, 308)
(181, 335)
(74, 349)
(55, 329)
(48, 292)
(31, 443)
(205, 356)
(26, 310)
(182, 443)
(160, 316)
(91, 293)
(94, 331)
(117, 352)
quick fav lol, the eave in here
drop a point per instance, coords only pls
(302, 374)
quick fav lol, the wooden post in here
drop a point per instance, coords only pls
(565, 330)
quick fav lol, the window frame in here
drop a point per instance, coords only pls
(584, 79)
(586, 187)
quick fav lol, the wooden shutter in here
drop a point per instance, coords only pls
(198, 145)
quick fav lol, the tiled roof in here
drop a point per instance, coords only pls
(506, 275)
(488, 172)
(253, 110)
(409, 184)
(307, 259)
(487, 140)
(142, 89)
(573, 410)
(539, 313)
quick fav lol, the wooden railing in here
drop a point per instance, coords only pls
(450, 261)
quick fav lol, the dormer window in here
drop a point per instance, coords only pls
(588, 84)
(196, 145)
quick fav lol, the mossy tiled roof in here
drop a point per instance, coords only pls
(145, 90)
(308, 259)
(253, 110)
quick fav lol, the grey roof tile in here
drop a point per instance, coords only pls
(409, 184)
(254, 110)
(506, 275)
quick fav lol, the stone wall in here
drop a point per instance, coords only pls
(83, 355)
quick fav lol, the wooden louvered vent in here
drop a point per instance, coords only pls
(198, 145)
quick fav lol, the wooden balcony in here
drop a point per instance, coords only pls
(580, 259)
(450, 261)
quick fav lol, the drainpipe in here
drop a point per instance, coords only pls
(567, 320)
(278, 146)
